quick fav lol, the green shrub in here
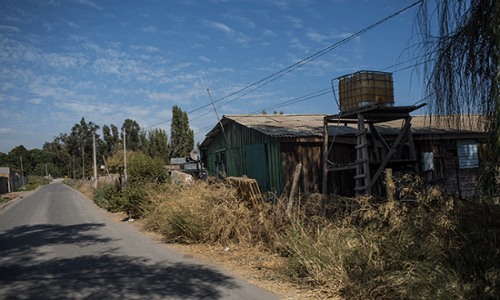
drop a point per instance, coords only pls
(134, 201)
(34, 182)
(109, 198)
(142, 168)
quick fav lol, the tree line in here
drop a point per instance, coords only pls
(71, 154)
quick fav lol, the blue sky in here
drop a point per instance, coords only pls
(110, 60)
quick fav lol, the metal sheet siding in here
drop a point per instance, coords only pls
(238, 137)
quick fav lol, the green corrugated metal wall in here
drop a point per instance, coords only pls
(238, 137)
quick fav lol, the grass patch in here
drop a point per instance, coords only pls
(34, 182)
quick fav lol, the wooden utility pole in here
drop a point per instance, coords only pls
(95, 161)
(83, 162)
(125, 156)
(105, 164)
(22, 171)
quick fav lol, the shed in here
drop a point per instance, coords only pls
(268, 147)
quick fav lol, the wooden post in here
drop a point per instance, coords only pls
(295, 186)
(389, 184)
(95, 160)
(324, 184)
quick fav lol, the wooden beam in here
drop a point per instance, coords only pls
(324, 184)
(391, 151)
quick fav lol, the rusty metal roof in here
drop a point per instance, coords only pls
(309, 125)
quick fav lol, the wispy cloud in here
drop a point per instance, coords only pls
(150, 29)
(147, 48)
(316, 37)
(296, 43)
(72, 24)
(89, 3)
(241, 19)
(268, 33)
(35, 101)
(9, 28)
(4, 97)
(218, 26)
(203, 58)
(294, 22)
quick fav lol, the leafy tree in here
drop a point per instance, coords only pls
(181, 136)
(132, 130)
(80, 145)
(14, 158)
(158, 146)
(41, 161)
(3, 159)
(461, 64)
(112, 140)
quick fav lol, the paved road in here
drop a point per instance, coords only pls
(56, 244)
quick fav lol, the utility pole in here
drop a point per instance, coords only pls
(22, 171)
(83, 162)
(74, 171)
(95, 161)
(46, 172)
(125, 156)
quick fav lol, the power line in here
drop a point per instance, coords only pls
(298, 64)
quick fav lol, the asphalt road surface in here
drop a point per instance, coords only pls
(56, 244)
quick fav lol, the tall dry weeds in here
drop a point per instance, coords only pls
(421, 248)
(203, 212)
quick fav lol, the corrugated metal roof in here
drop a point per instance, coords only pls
(312, 125)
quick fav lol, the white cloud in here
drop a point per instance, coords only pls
(268, 32)
(9, 28)
(35, 101)
(72, 24)
(203, 58)
(14, 131)
(4, 97)
(218, 25)
(147, 48)
(150, 29)
(7, 86)
(296, 43)
(316, 37)
(294, 22)
(244, 20)
(89, 3)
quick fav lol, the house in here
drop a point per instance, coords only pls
(268, 148)
(11, 179)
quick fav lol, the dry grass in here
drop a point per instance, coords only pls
(213, 213)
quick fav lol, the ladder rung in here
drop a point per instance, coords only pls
(360, 176)
(361, 132)
(359, 161)
(361, 146)
(361, 188)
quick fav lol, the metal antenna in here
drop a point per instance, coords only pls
(222, 126)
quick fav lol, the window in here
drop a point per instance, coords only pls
(467, 154)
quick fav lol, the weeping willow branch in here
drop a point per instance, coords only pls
(461, 69)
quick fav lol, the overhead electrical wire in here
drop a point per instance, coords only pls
(296, 65)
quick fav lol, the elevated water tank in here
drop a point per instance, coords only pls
(366, 87)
